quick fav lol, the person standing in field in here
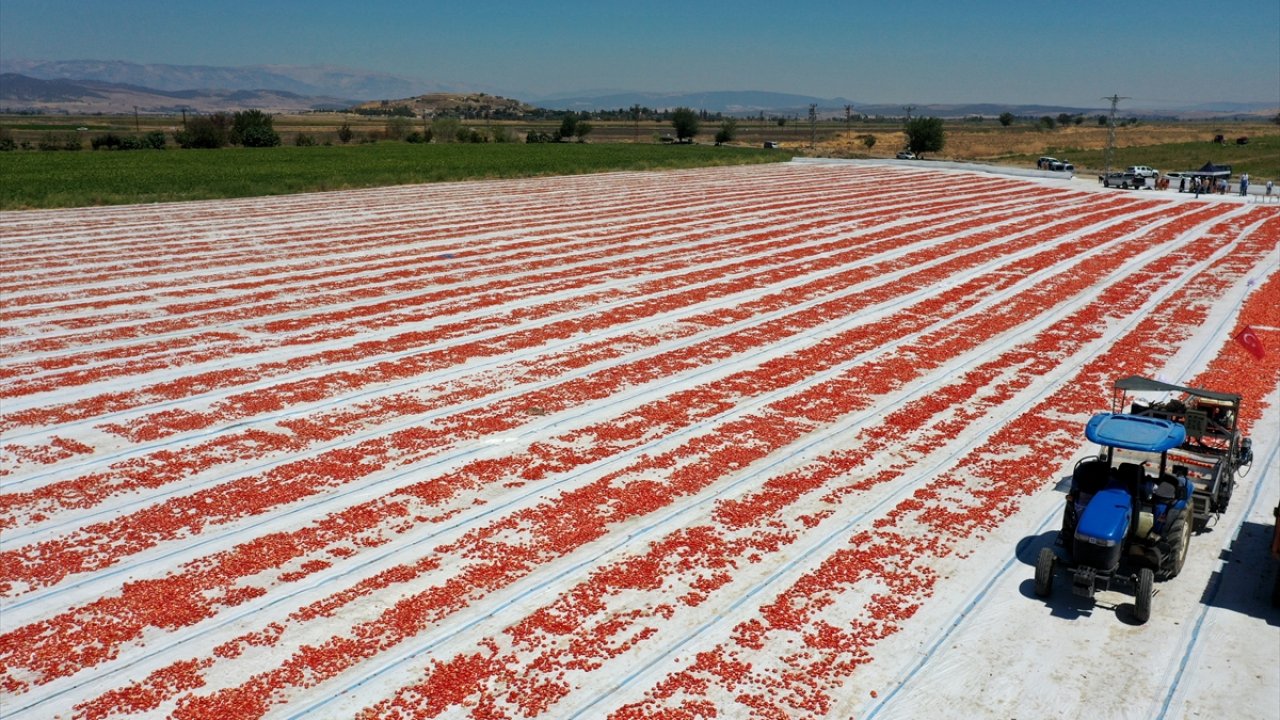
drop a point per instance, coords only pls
(1270, 185)
(1244, 184)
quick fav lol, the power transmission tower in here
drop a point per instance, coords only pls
(1111, 130)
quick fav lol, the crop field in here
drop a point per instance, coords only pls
(103, 177)
(738, 442)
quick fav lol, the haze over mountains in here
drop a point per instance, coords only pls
(109, 86)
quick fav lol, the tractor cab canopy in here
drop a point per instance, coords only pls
(1141, 384)
(1134, 432)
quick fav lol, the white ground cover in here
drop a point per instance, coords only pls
(776, 441)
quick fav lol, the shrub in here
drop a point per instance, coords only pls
(728, 131)
(345, 133)
(259, 136)
(110, 141)
(304, 140)
(445, 129)
(253, 128)
(205, 131)
(63, 141)
(397, 128)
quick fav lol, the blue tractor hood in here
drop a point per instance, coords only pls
(1133, 432)
(1105, 521)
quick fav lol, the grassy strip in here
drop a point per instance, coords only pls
(1260, 158)
(74, 179)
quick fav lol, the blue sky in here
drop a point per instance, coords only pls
(1072, 52)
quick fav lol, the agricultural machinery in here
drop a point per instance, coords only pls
(1163, 470)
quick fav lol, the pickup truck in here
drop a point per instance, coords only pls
(1049, 163)
(1123, 180)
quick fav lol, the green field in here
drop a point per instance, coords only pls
(1260, 158)
(73, 179)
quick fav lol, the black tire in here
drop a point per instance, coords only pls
(1224, 494)
(1142, 599)
(1176, 543)
(1223, 483)
(1068, 532)
(1044, 572)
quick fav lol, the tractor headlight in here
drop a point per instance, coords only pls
(1102, 542)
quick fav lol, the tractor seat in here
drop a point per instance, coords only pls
(1165, 493)
(1089, 477)
(1131, 476)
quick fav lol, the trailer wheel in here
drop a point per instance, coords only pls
(1224, 495)
(1044, 572)
(1142, 602)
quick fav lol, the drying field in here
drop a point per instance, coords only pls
(768, 441)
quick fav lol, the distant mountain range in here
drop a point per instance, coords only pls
(19, 93)
(109, 86)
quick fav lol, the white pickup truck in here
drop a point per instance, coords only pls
(1134, 176)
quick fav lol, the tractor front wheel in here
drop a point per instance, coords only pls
(1142, 602)
(1044, 572)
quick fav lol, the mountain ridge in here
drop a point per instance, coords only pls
(121, 86)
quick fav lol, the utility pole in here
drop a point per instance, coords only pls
(848, 117)
(1111, 131)
(813, 126)
(909, 109)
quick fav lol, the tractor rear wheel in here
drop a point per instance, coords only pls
(1142, 602)
(1177, 541)
(1044, 572)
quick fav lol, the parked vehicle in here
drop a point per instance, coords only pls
(906, 155)
(1164, 469)
(1121, 524)
(1051, 163)
(1144, 171)
(1123, 180)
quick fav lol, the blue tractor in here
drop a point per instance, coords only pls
(1129, 512)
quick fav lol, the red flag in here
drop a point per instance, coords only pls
(1251, 342)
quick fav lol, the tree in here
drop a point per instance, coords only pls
(1047, 123)
(727, 132)
(868, 140)
(925, 135)
(568, 124)
(252, 128)
(1006, 118)
(581, 130)
(397, 127)
(345, 133)
(444, 129)
(685, 122)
